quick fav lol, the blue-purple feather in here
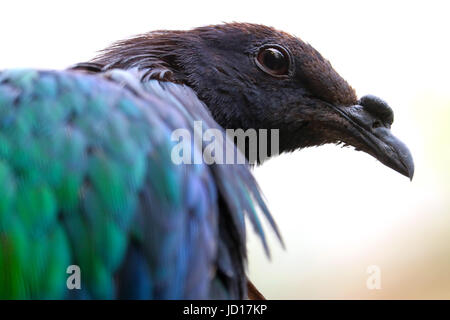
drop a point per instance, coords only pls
(88, 164)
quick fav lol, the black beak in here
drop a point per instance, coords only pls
(370, 123)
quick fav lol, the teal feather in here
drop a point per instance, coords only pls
(86, 178)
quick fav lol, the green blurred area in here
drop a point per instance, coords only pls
(432, 117)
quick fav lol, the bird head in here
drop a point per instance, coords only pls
(253, 76)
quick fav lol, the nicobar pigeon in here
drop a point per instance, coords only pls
(87, 178)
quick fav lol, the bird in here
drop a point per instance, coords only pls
(88, 179)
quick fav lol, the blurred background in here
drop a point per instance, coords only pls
(339, 211)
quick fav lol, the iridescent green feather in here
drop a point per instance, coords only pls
(86, 178)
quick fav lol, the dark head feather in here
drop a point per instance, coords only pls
(311, 104)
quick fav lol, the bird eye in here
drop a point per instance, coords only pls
(273, 60)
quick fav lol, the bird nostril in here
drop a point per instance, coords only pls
(376, 124)
(379, 109)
